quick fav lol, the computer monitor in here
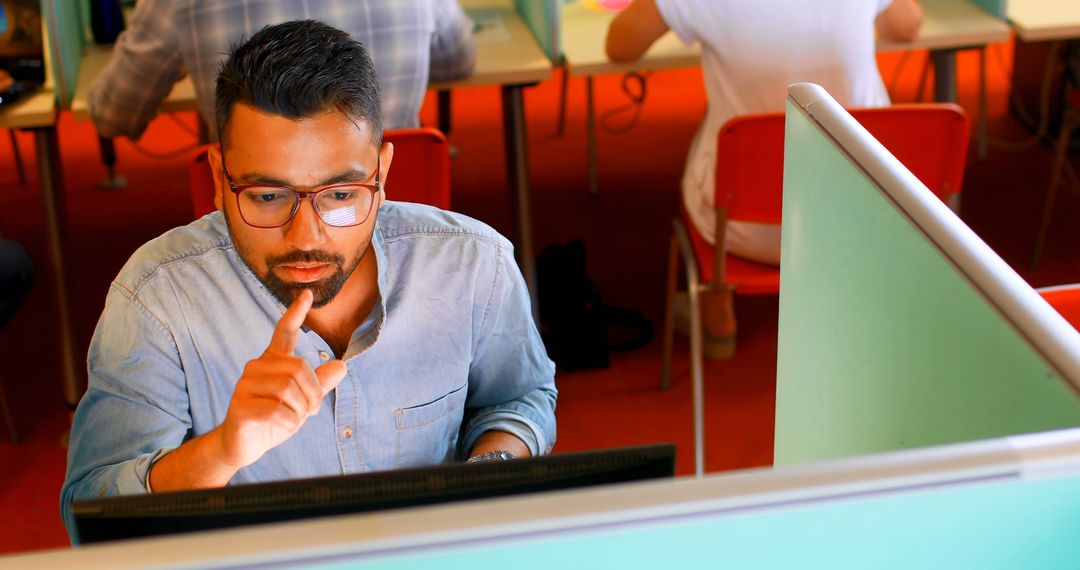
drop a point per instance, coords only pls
(116, 518)
(899, 327)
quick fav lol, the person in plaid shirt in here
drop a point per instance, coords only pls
(411, 42)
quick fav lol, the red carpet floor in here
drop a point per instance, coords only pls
(625, 229)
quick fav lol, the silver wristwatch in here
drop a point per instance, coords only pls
(492, 456)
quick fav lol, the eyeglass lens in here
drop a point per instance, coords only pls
(338, 206)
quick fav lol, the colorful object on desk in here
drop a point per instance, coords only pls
(606, 5)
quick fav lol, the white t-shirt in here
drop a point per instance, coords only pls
(751, 51)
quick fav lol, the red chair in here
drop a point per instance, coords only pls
(1065, 299)
(1061, 166)
(420, 171)
(931, 140)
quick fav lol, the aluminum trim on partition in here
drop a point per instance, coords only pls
(1043, 327)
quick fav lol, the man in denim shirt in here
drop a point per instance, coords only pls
(308, 327)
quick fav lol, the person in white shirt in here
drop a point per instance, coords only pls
(751, 51)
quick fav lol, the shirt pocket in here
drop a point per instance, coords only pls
(427, 434)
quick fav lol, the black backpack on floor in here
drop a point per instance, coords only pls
(577, 328)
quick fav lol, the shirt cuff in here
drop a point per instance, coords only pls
(141, 472)
(519, 426)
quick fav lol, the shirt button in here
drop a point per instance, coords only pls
(348, 432)
(324, 355)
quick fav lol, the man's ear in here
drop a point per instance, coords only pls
(213, 156)
(386, 156)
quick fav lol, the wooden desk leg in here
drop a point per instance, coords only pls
(944, 75)
(590, 105)
(517, 173)
(52, 185)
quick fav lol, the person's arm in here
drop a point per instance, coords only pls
(634, 30)
(145, 64)
(453, 47)
(511, 402)
(900, 22)
(273, 399)
(132, 429)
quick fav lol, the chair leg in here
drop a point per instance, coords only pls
(694, 288)
(9, 420)
(1055, 181)
(669, 312)
(18, 157)
(697, 376)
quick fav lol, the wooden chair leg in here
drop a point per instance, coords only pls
(18, 156)
(9, 420)
(1055, 180)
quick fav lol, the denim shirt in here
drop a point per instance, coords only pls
(449, 351)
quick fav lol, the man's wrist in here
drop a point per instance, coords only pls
(497, 455)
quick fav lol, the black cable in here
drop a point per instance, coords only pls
(630, 82)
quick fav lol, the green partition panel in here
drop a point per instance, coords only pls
(66, 27)
(995, 7)
(883, 343)
(544, 18)
(1000, 525)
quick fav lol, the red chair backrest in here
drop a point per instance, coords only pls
(930, 140)
(1065, 300)
(419, 173)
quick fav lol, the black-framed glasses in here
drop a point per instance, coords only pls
(339, 205)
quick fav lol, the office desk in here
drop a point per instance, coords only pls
(949, 25)
(1045, 20)
(507, 55)
(38, 114)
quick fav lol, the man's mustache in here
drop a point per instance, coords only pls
(312, 256)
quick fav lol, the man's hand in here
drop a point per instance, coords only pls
(277, 393)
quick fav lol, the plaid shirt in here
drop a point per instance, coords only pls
(410, 41)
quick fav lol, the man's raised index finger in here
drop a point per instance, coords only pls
(287, 331)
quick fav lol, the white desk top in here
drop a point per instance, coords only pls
(1044, 20)
(948, 24)
(506, 54)
(32, 111)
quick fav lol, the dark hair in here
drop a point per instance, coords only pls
(297, 70)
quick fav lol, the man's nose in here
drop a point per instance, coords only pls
(305, 231)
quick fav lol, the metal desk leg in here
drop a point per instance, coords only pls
(982, 131)
(594, 183)
(560, 129)
(18, 156)
(944, 75)
(945, 91)
(445, 123)
(52, 184)
(517, 173)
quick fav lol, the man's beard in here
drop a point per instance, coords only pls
(323, 290)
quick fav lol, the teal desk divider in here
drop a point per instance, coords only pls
(995, 7)
(884, 341)
(65, 24)
(544, 18)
